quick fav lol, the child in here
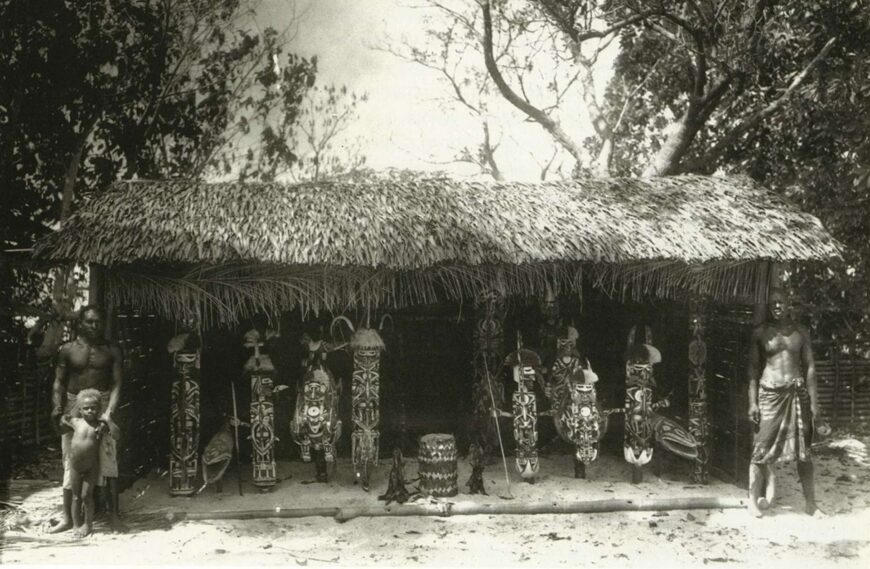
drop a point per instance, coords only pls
(87, 430)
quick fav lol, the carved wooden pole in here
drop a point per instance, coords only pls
(184, 415)
(261, 372)
(367, 346)
(638, 437)
(699, 423)
(525, 365)
(488, 357)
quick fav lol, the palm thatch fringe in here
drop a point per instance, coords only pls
(334, 245)
(225, 294)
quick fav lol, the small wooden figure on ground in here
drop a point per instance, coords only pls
(396, 491)
(477, 459)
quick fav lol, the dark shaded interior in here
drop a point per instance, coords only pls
(427, 374)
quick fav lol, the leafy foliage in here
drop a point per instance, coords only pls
(96, 91)
(304, 137)
(777, 90)
(817, 152)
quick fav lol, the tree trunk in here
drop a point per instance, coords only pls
(72, 168)
(63, 295)
(601, 165)
(667, 159)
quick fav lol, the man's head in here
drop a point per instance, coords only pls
(91, 321)
(776, 303)
(89, 404)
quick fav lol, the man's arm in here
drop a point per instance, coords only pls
(66, 424)
(114, 431)
(809, 365)
(58, 392)
(117, 378)
(753, 374)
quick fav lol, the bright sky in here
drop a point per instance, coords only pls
(405, 122)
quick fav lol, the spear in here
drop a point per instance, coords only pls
(238, 451)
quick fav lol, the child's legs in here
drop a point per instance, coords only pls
(76, 482)
(88, 482)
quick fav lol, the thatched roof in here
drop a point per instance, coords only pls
(330, 244)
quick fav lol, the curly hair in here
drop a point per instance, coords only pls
(85, 394)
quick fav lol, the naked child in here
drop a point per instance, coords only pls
(86, 428)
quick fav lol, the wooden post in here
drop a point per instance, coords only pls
(637, 443)
(184, 423)
(96, 284)
(366, 345)
(261, 373)
(489, 389)
(699, 425)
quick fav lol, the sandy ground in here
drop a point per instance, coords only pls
(786, 537)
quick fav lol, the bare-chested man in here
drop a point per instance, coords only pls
(783, 402)
(89, 362)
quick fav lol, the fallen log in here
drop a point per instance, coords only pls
(447, 509)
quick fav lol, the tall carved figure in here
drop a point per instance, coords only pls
(488, 391)
(366, 346)
(698, 413)
(642, 424)
(184, 415)
(639, 383)
(574, 402)
(261, 372)
(315, 426)
(525, 365)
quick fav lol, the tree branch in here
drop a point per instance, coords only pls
(535, 114)
(601, 34)
(628, 100)
(488, 151)
(753, 119)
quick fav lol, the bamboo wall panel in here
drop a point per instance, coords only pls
(27, 404)
(728, 333)
(844, 400)
(144, 403)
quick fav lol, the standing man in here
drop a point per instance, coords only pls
(89, 362)
(783, 403)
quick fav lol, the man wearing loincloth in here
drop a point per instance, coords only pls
(89, 362)
(783, 403)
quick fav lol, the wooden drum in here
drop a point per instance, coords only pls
(437, 465)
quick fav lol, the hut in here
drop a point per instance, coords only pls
(690, 256)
